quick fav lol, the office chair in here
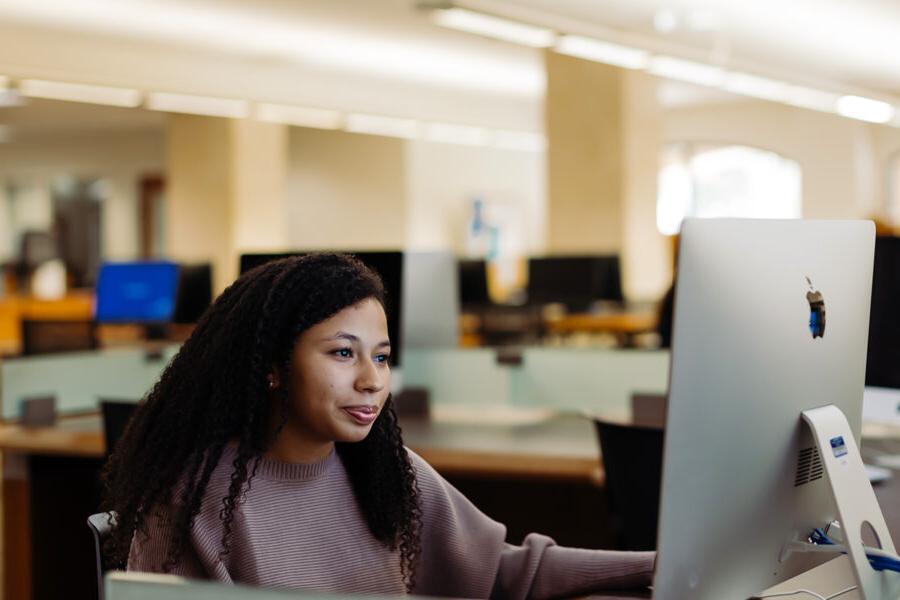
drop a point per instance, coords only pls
(632, 460)
(47, 337)
(100, 525)
(116, 414)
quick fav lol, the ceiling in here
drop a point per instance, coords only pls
(386, 56)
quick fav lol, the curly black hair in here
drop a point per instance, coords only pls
(215, 391)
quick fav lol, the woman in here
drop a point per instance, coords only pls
(268, 453)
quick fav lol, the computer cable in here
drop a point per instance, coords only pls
(878, 559)
(815, 595)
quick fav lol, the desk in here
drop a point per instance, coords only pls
(77, 305)
(550, 456)
(560, 448)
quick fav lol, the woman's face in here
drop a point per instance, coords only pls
(340, 376)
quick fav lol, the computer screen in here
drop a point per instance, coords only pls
(136, 292)
(576, 281)
(771, 318)
(883, 364)
(194, 293)
(473, 283)
(389, 265)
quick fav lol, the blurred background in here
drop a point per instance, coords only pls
(517, 170)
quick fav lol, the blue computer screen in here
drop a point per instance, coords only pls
(137, 292)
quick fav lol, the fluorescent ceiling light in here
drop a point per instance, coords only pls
(494, 27)
(525, 141)
(447, 133)
(804, 97)
(865, 109)
(301, 116)
(77, 92)
(604, 52)
(755, 87)
(198, 105)
(686, 70)
(386, 126)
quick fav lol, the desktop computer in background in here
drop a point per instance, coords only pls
(575, 281)
(137, 292)
(883, 364)
(771, 326)
(422, 294)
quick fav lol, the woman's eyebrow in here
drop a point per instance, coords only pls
(341, 335)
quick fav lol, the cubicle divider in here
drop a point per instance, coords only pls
(78, 380)
(564, 379)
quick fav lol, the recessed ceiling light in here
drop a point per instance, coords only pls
(665, 20)
(78, 92)
(301, 116)
(755, 87)
(448, 133)
(198, 105)
(379, 125)
(686, 70)
(865, 109)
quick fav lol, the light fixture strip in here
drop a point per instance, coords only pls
(449, 133)
(494, 27)
(603, 52)
(865, 109)
(78, 92)
(198, 105)
(381, 125)
(301, 116)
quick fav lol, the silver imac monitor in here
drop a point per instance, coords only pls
(771, 318)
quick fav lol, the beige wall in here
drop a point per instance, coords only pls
(443, 179)
(198, 216)
(345, 190)
(122, 158)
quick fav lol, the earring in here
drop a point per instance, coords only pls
(270, 381)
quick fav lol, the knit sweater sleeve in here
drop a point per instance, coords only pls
(464, 554)
(199, 559)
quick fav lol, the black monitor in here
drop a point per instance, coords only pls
(473, 285)
(194, 293)
(882, 364)
(387, 264)
(575, 281)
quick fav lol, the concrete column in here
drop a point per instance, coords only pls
(604, 131)
(226, 182)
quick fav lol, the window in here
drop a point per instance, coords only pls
(705, 180)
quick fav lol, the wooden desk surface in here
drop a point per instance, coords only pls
(561, 447)
(625, 323)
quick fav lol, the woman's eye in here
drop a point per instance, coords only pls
(343, 352)
(383, 358)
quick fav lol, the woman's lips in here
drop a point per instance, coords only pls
(364, 415)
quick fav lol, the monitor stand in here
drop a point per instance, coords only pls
(854, 498)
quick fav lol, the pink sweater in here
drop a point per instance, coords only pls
(299, 527)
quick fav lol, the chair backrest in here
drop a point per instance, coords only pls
(100, 525)
(632, 460)
(116, 414)
(49, 336)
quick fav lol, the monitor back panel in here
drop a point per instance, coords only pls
(744, 365)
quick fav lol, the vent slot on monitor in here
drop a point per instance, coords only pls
(809, 466)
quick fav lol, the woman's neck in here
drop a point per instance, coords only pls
(290, 447)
